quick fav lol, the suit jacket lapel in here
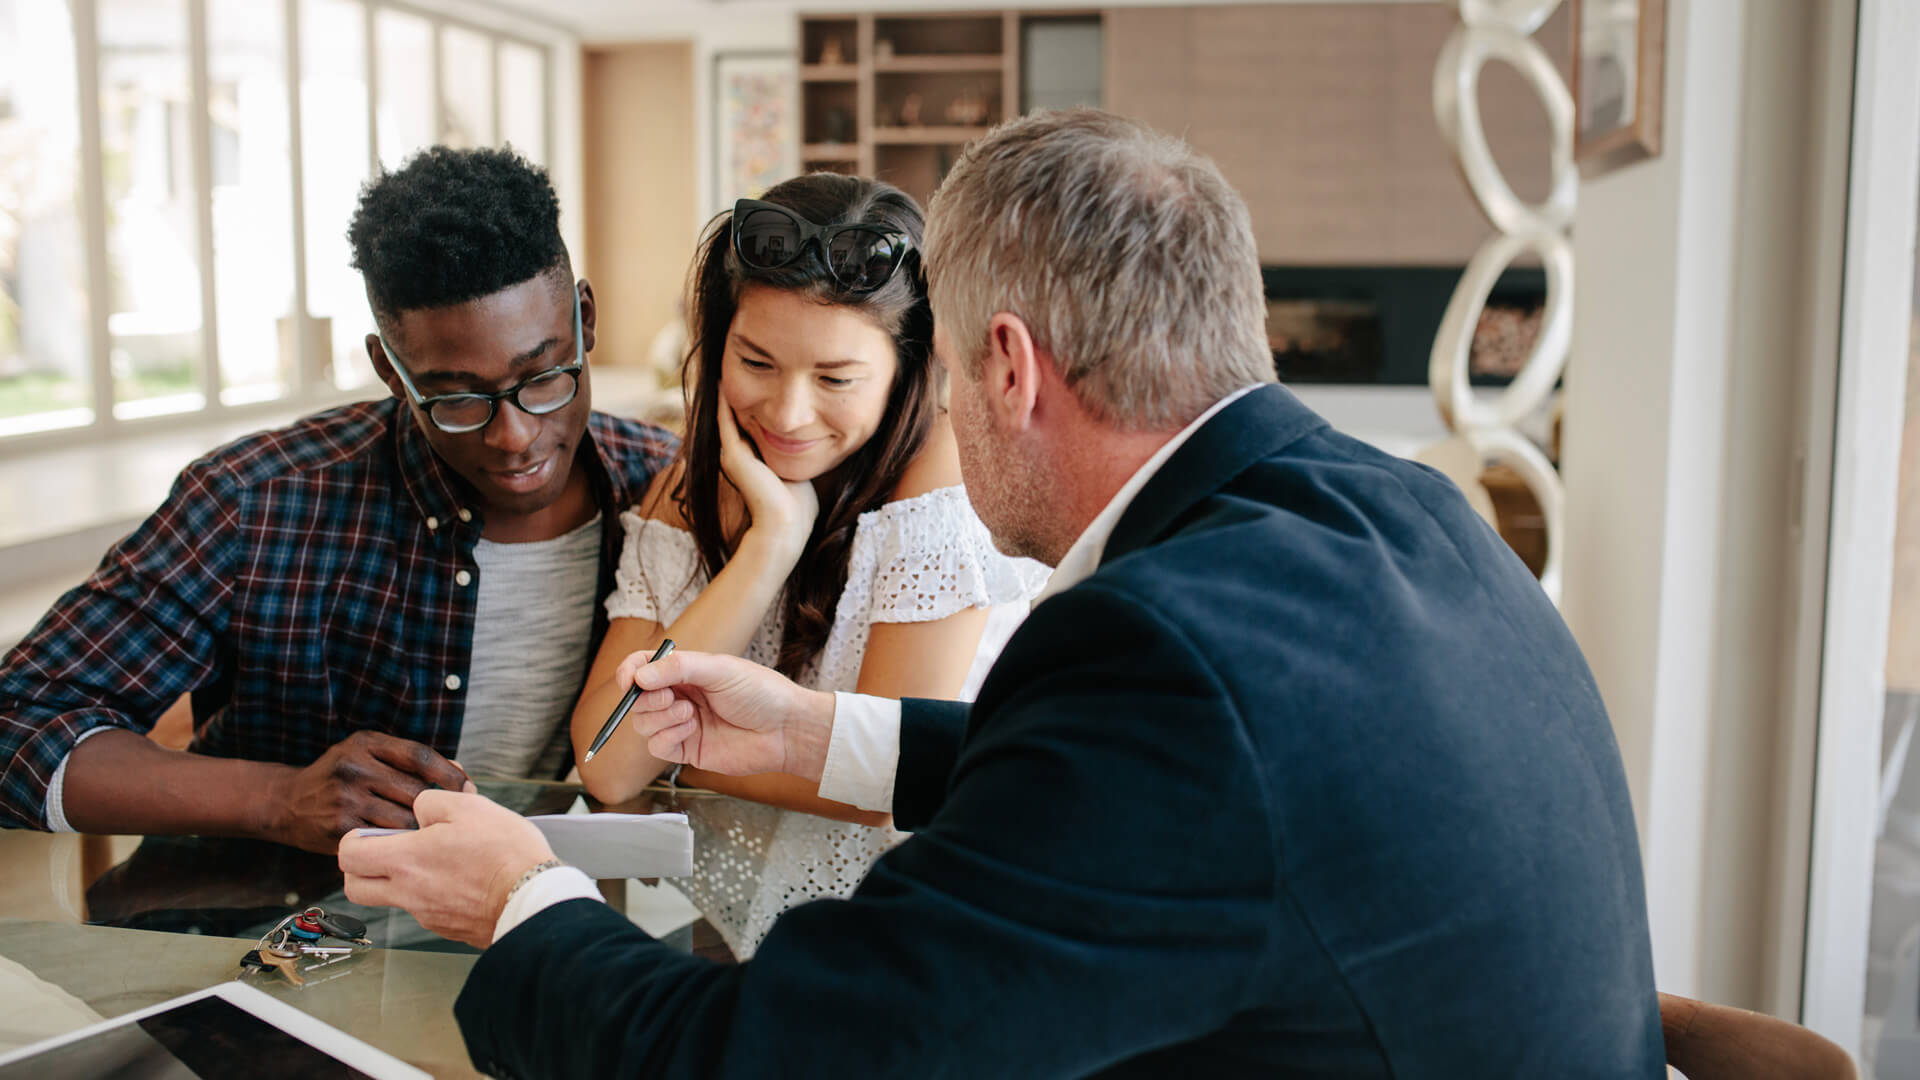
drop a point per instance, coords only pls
(1239, 435)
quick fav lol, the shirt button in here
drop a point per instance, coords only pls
(453, 682)
(433, 523)
(462, 578)
(466, 514)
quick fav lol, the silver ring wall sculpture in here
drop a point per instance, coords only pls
(1502, 30)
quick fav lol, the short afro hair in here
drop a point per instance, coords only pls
(452, 226)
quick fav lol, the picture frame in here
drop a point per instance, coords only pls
(1619, 70)
(755, 126)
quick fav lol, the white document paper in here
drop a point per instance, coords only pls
(621, 845)
(36, 1009)
(613, 845)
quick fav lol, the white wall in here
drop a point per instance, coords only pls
(711, 29)
(1692, 353)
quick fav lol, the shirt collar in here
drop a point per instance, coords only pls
(443, 499)
(1083, 558)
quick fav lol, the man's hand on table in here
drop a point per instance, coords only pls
(728, 715)
(454, 875)
(366, 780)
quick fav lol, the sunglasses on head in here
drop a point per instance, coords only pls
(860, 257)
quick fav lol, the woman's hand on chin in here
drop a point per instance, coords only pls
(782, 510)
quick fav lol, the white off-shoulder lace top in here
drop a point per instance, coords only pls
(914, 560)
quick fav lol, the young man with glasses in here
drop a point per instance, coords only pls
(362, 599)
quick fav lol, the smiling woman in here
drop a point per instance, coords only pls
(815, 522)
(733, 294)
(807, 383)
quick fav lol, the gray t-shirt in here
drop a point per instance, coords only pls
(531, 629)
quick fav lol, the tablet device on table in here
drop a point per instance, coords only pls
(226, 1031)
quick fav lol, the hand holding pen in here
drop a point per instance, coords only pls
(626, 705)
(727, 714)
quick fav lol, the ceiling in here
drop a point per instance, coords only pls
(615, 20)
(603, 20)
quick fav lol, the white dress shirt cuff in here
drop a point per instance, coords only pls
(548, 887)
(863, 755)
(57, 787)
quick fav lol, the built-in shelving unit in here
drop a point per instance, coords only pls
(897, 95)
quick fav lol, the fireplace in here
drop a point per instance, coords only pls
(1349, 325)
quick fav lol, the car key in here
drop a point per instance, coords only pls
(283, 958)
(344, 927)
(327, 956)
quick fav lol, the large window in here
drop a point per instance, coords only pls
(45, 308)
(176, 178)
(152, 221)
(523, 101)
(252, 189)
(334, 127)
(407, 102)
(466, 85)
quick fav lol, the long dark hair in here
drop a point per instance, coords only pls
(871, 474)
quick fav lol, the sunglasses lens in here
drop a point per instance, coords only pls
(864, 260)
(767, 239)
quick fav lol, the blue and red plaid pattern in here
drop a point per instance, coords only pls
(301, 584)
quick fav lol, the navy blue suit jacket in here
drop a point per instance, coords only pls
(1308, 779)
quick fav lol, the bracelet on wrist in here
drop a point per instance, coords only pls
(533, 871)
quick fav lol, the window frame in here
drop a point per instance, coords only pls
(1863, 406)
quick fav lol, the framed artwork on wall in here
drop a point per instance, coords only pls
(1619, 66)
(755, 133)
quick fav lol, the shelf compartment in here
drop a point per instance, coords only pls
(935, 94)
(937, 35)
(845, 167)
(983, 63)
(830, 73)
(820, 39)
(925, 136)
(828, 113)
(917, 170)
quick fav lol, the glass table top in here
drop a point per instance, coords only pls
(240, 888)
(57, 978)
(92, 927)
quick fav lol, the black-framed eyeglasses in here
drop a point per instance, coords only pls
(861, 257)
(537, 395)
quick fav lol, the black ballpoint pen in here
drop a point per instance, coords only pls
(626, 703)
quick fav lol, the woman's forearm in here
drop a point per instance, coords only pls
(724, 618)
(786, 792)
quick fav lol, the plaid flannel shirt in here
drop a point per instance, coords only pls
(301, 584)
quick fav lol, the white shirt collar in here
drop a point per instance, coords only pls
(1083, 558)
